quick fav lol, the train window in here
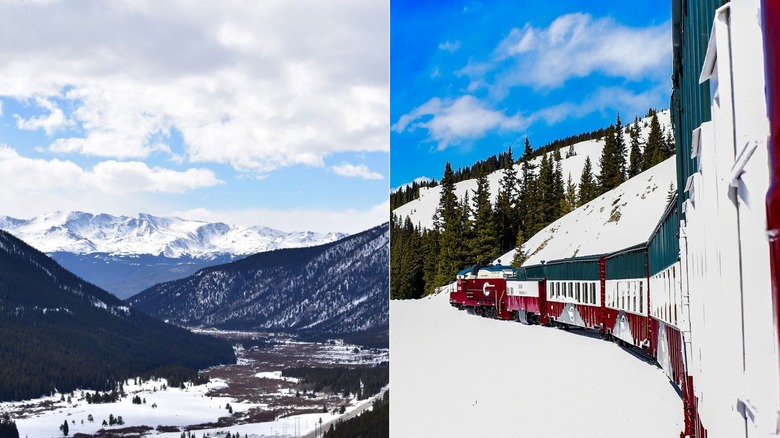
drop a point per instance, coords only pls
(633, 296)
(571, 290)
(641, 297)
(577, 294)
(593, 293)
(622, 297)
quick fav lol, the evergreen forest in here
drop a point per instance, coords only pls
(342, 380)
(60, 333)
(473, 230)
(370, 424)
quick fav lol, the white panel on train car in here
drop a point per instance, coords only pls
(733, 356)
(522, 288)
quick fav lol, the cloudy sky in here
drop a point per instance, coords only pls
(469, 79)
(272, 113)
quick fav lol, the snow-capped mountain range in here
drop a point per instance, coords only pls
(125, 255)
(84, 233)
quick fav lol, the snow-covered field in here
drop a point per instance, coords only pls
(199, 406)
(459, 375)
(174, 407)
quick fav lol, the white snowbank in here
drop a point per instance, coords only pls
(618, 219)
(459, 375)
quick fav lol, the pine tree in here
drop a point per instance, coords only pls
(612, 161)
(588, 188)
(528, 203)
(64, 428)
(547, 192)
(507, 217)
(620, 152)
(8, 427)
(406, 263)
(430, 254)
(467, 249)
(670, 145)
(569, 201)
(519, 257)
(653, 153)
(447, 223)
(484, 229)
(396, 249)
(558, 193)
(635, 159)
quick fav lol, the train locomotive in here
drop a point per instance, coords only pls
(701, 295)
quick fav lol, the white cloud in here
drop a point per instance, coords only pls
(123, 177)
(351, 170)
(453, 121)
(610, 99)
(50, 123)
(449, 46)
(255, 85)
(21, 177)
(419, 179)
(349, 221)
(577, 45)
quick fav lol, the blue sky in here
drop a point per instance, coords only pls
(253, 113)
(469, 79)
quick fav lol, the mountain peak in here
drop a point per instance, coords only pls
(146, 234)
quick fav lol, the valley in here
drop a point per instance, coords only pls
(262, 401)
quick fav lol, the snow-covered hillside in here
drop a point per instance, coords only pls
(85, 233)
(337, 288)
(421, 210)
(459, 375)
(620, 218)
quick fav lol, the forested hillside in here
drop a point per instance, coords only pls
(339, 288)
(60, 333)
(482, 224)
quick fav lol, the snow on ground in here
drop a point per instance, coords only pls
(174, 407)
(622, 217)
(421, 210)
(458, 375)
(276, 375)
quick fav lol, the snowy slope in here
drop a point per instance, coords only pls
(622, 217)
(421, 210)
(85, 233)
(336, 288)
(459, 375)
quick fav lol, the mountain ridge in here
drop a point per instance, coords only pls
(85, 233)
(48, 312)
(335, 288)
